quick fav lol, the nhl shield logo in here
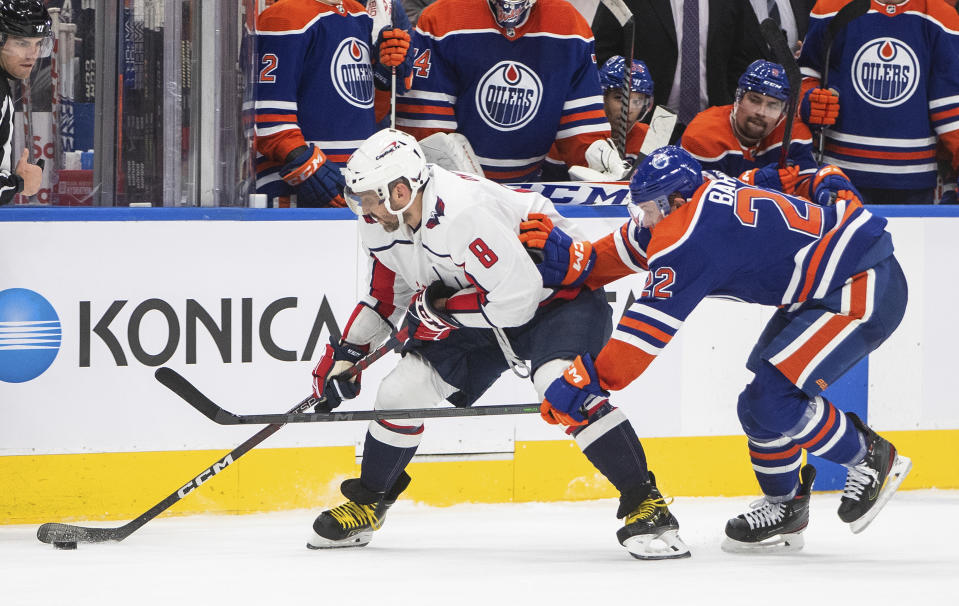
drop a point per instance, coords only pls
(885, 72)
(509, 96)
(351, 73)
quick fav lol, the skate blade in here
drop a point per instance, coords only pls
(358, 540)
(897, 473)
(781, 543)
(666, 546)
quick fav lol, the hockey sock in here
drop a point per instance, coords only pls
(826, 432)
(776, 464)
(612, 446)
(387, 450)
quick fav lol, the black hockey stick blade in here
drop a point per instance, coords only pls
(776, 40)
(195, 398)
(57, 532)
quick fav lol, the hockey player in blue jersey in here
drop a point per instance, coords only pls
(320, 63)
(444, 255)
(894, 90)
(745, 138)
(839, 290)
(513, 77)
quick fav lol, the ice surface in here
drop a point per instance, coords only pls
(496, 555)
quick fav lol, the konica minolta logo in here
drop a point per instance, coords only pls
(29, 335)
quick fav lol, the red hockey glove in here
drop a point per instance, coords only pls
(819, 107)
(569, 399)
(773, 177)
(328, 387)
(394, 45)
(560, 260)
(317, 182)
(427, 321)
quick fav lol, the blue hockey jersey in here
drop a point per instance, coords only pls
(734, 241)
(897, 72)
(510, 97)
(314, 84)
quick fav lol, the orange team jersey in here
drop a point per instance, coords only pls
(511, 97)
(634, 142)
(711, 140)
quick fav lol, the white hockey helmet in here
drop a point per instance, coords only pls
(379, 161)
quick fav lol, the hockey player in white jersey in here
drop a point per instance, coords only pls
(444, 254)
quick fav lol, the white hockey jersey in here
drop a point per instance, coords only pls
(468, 239)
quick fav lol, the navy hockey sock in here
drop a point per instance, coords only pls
(387, 450)
(826, 432)
(776, 464)
(612, 446)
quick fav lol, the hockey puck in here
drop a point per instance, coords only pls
(65, 544)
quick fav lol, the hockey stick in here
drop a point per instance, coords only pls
(776, 40)
(626, 20)
(853, 10)
(195, 398)
(57, 532)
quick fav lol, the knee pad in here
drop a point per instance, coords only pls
(770, 403)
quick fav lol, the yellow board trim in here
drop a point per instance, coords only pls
(121, 486)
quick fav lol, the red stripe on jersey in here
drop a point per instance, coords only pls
(945, 114)
(349, 323)
(773, 456)
(882, 155)
(276, 118)
(587, 115)
(381, 287)
(501, 175)
(425, 109)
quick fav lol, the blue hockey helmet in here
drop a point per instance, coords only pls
(611, 75)
(510, 14)
(766, 78)
(667, 171)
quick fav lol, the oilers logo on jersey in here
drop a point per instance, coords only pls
(351, 73)
(509, 95)
(885, 72)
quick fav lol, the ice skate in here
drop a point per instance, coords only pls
(651, 531)
(870, 484)
(772, 527)
(352, 524)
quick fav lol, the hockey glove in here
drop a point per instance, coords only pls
(819, 107)
(317, 181)
(393, 50)
(827, 184)
(328, 386)
(773, 177)
(603, 158)
(425, 317)
(562, 260)
(571, 398)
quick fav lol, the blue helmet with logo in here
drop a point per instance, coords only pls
(611, 75)
(766, 78)
(510, 14)
(668, 170)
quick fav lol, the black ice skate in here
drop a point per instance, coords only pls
(352, 523)
(651, 531)
(772, 527)
(871, 483)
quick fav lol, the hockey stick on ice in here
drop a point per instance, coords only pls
(57, 532)
(195, 398)
(853, 10)
(626, 21)
(776, 40)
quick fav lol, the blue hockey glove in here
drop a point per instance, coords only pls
(317, 181)
(773, 177)
(828, 184)
(570, 398)
(393, 49)
(328, 386)
(425, 319)
(561, 260)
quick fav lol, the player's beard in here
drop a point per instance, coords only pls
(389, 224)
